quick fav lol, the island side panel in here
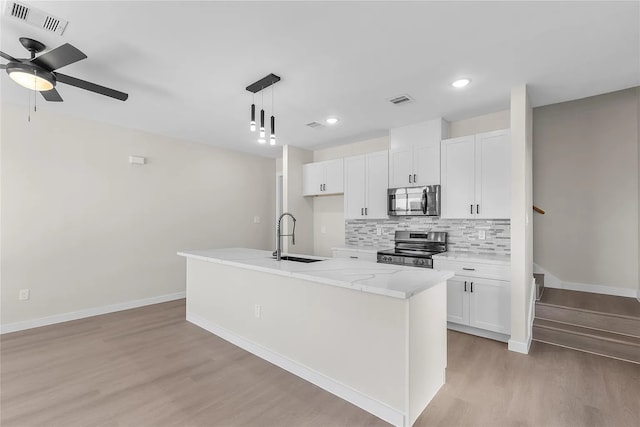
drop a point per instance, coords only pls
(427, 347)
(353, 337)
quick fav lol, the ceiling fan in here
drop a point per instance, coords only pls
(37, 73)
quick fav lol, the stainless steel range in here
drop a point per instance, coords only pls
(415, 248)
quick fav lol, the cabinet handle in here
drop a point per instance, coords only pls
(471, 207)
(477, 209)
(320, 187)
(468, 269)
(414, 178)
(324, 186)
(366, 211)
(465, 286)
(472, 287)
(361, 211)
(354, 257)
(409, 178)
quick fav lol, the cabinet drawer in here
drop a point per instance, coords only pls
(355, 254)
(474, 269)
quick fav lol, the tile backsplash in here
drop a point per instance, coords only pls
(462, 234)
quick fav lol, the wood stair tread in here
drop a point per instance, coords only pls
(586, 331)
(596, 303)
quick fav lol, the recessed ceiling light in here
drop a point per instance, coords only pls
(332, 120)
(461, 83)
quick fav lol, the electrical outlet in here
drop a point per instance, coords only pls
(257, 310)
(323, 229)
(482, 234)
(379, 231)
(24, 294)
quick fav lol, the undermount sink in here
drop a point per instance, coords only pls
(298, 259)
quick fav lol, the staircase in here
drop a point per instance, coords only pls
(601, 324)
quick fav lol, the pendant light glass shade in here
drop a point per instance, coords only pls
(272, 138)
(261, 123)
(252, 123)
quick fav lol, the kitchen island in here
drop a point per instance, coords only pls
(372, 334)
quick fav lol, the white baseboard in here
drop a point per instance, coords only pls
(81, 314)
(520, 346)
(551, 281)
(478, 332)
(369, 404)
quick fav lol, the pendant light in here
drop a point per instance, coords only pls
(272, 136)
(252, 123)
(260, 86)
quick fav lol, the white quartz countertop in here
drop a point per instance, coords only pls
(474, 257)
(382, 279)
(367, 249)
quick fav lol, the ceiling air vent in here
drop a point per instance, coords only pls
(314, 125)
(36, 17)
(401, 100)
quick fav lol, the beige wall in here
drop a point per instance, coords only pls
(328, 211)
(521, 221)
(586, 178)
(83, 228)
(295, 203)
(485, 123)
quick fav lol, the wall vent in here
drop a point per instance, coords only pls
(314, 125)
(401, 100)
(36, 17)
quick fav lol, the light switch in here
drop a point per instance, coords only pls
(256, 219)
(482, 234)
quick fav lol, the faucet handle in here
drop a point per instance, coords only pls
(275, 253)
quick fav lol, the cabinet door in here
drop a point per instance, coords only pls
(354, 187)
(490, 305)
(426, 163)
(458, 177)
(401, 168)
(376, 168)
(333, 177)
(312, 179)
(493, 175)
(457, 301)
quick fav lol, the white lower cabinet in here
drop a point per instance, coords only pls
(482, 302)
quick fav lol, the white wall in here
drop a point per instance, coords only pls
(295, 203)
(82, 228)
(485, 123)
(521, 221)
(328, 211)
(586, 178)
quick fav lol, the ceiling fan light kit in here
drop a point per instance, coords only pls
(254, 88)
(31, 77)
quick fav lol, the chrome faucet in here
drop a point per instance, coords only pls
(278, 251)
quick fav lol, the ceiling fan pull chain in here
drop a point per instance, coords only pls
(29, 110)
(35, 93)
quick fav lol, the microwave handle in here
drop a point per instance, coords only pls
(423, 201)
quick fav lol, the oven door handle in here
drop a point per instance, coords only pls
(423, 202)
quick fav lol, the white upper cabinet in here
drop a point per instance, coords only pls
(323, 178)
(365, 186)
(476, 176)
(414, 154)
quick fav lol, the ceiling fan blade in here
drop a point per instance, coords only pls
(51, 95)
(59, 57)
(3, 66)
(8, 57)
(63, 78)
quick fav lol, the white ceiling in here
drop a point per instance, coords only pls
(185, 65)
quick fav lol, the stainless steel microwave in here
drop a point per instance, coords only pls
(423, 201)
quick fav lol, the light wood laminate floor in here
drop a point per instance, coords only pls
(149, 367)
